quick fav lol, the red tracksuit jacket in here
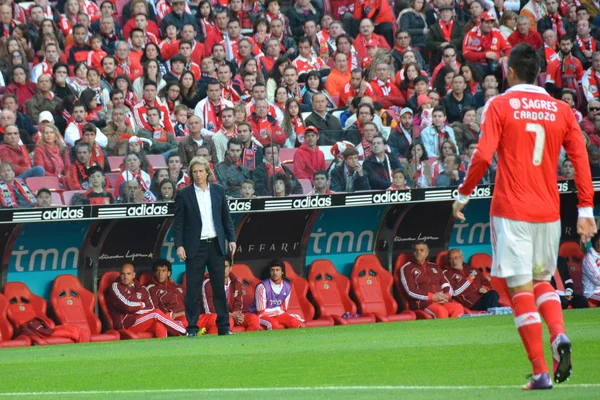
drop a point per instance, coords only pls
(124, 302)
(421, 282)
(465, 289)
(235, 302)
(167, 297)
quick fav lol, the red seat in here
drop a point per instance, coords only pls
(287, 154)
(146, 278)
(7, 331)
(35, 183)
(442, 258)
(112, 177)
(57, 199)
(74, 305)
(107, 279)
(330, 289)
(574, 255)
(24, 306)
(299, 303)
(500, 286)
(306, 185)
(157, 161)
(401, 260)
(482, 262)
(115, 163)
(372, 286)
(249, 282)
(68, 196)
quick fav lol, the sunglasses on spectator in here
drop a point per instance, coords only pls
(594, 108)
(450, 55)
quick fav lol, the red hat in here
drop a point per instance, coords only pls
(340, 147)
(488, 16)
(422, 99)
(312, 128)
(371, 43)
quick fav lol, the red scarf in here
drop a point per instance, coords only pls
(296, 93)
(442, 135)
(299, 129)
(557, 24)
(229, 93)
(97, 155)
(25, 155)
(274, 170)
(206, 25)
(447, 29)
(124, 65)
(253, 7)
(264, 127)
(212, 116)
(8, 199)
(53, 152)
(401, 50)
(160, 135)
(82, 182)
(249, 156)
(589, 44)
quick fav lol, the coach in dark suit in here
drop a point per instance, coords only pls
(201, 226)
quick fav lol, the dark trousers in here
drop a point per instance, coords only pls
(208, 255)
(488, 300)
(578, 301)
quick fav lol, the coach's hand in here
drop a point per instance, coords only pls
(232, 247)
(586, 228)
(457, 211)
(181, 253)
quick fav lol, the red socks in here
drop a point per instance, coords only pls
(529, 325)
(548, 303)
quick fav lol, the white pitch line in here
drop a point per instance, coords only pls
(272, 389)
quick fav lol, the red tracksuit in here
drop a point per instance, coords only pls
(235, 302)
(421, 282)
(131, 307)
(168, 297)
(464, 288)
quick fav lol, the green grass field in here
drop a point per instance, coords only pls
(474, 358)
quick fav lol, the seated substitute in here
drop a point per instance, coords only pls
(130, 307)
(566, 294)
(234, 291)
(426, 286)
(166, 295)
(272, 297)
(470, 288)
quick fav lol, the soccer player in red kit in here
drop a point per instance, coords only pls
(527, 127)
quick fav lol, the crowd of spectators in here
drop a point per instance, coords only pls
(367, 91)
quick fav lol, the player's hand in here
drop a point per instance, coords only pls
(586, 228)
(181, 253)
(232, 247)
(457, 211)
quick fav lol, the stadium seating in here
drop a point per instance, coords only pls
(7, 331)
(24, 306)
(112, 178)
(145, 278)
(286, 155)
(330, 290)
(401, 260)
(500, 286)
(299, 304)
(35, 183)
(482, 262)
(115, 163)
(372, 286)
(442, 258)
(157, 161)
(306, 185)
(249, 282)
(574, 255)
(74, 305)
(107, 279)
(57, 199)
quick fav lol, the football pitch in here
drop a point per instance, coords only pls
(469, 358)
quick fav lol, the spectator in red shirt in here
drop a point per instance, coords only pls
(565, 70)
(471, 288)
(385, 91)
(525, 35)
(485, 45)
(17, 155)
(426, 287)
(309, 158)
(265, 128)
(49, 152)
(593, 109)
(381, 15)
(366, 33)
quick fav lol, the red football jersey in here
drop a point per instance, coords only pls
(527, 127)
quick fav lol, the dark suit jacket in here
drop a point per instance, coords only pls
(187, 225)
(435, 38)
(330, 129)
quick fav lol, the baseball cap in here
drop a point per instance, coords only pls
(312, 128)
(406, 110)
(488, 16)
(371, 43)
(340, 147)
(46, 116)
(422, 99)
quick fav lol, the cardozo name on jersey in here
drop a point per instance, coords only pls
(533, 109)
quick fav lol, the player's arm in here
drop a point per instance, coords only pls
(575, 147)
(491, 129)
